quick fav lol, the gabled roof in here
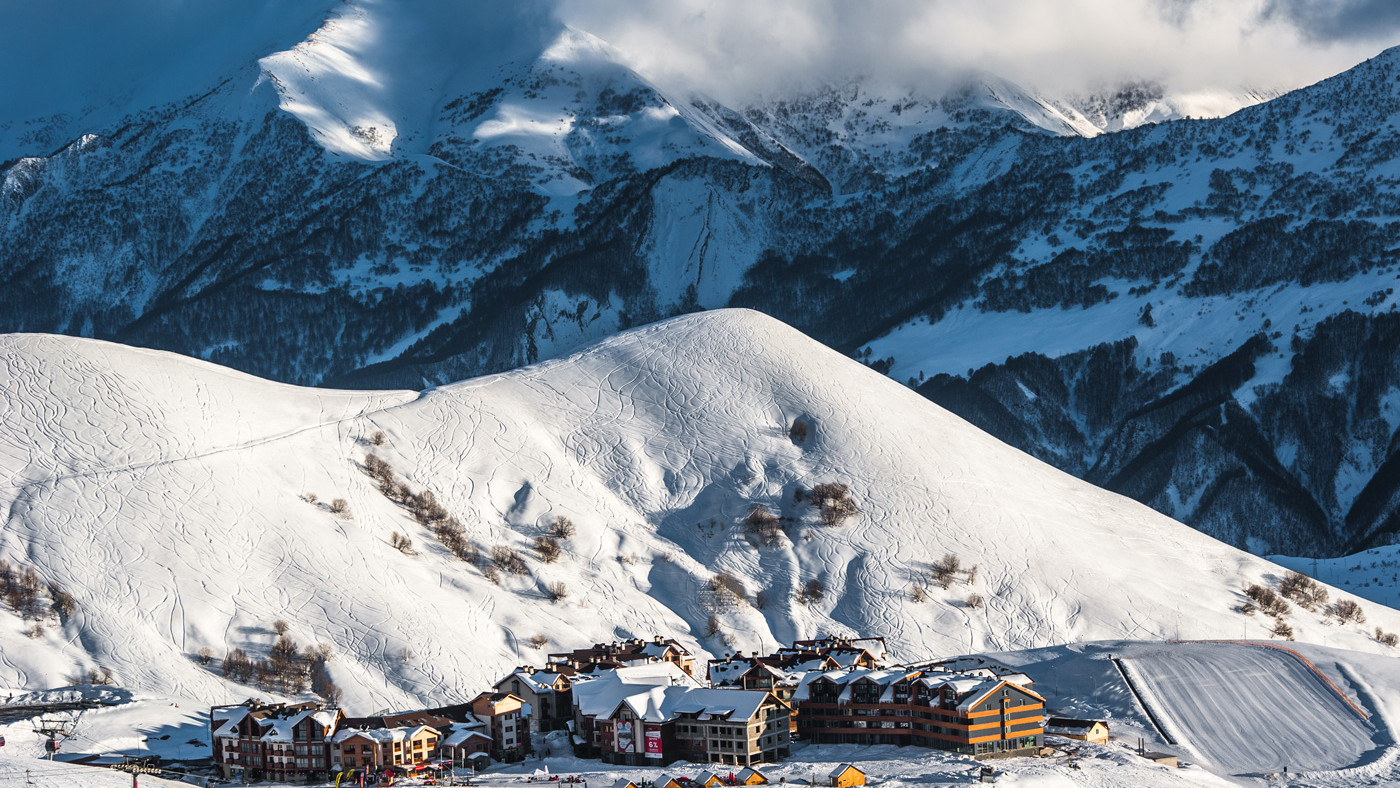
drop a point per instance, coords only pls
(839, 770)
(749, 771)
(986, 688)
(460, 732)
(1070, 723)
(659, 704)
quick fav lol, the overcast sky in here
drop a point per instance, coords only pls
(735, 49)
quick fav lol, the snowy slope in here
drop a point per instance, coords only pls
(170, 497)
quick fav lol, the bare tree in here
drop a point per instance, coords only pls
(945, 570)
(538, 641)
(833, 502)
(377, 438)
(341, 507)
(402, 543)
(205, 655)
(722, 592)
(562, 527)
(1386, 638)
(1282, 629)
(280, 626)
(558, 591)
(1305, 591)
(976, 602)
(548, 549)
(507, 560)
(1347, 611)
(917, 594)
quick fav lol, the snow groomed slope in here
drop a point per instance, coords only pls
(1251, 709)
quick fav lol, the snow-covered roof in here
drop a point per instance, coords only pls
(658, 704)
(748, 771)
(227, 720)
(600, 695)
(706, 777)
(279, 729)
(540, 682)
(981, 691)
(839, 769)
(382, 735)
(458, 733)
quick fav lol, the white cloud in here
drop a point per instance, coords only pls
(736, 49)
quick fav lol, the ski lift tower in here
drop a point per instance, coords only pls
(54, 730)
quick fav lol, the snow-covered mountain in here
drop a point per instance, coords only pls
(397, 195)
(186, 506)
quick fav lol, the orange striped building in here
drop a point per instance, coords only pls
(963, 712)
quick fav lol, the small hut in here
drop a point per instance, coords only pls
(666, 781)
(623, 782)
(1084, 730)
(706, 779)
(845, 776)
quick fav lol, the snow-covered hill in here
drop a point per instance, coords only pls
(392, 194)
(173, 499)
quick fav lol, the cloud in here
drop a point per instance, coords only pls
(741, 49)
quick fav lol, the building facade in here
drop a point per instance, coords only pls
(973, 715)
(275, 742)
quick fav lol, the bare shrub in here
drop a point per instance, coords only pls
(917, 594)
(310, 498)
(764, 525)
(61, 601)
(538, 642)
(492, 573)
(507, 560)
(1248, 608)
(281, 627)
(1386, 638)
(1347, 611)
(35, 631)
(1282, 630)
(1303, 590)
(382, 473)
(970, 574)
(548, 549)
(402, 543)
(562, 528)
(1269, 602)
(205, 656)
(945, 570)
(812, 591)
(799, 431)
(377, 438)
(558, 591)
(341, 507)
(723, 592)
(712, 626)
(833, 502)
(452, 536)
(99, 676)
(976, 602)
